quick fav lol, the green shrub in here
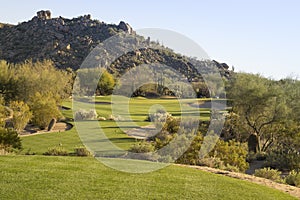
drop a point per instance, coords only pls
(9, 140)
(142, 147)
(293, 178)
(143, 151)
(231, 153)
(56, 151)
(284, 158)
(81, 151)
(21, 114)
(268, 173)
(44, 109)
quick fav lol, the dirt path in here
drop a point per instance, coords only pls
(294, 191)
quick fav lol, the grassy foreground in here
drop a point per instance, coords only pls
(41, 177)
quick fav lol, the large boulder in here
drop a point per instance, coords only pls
(126, 27)
(44, 14)
(51, 124)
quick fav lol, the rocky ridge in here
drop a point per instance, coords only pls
(67, 42)
(64, 41)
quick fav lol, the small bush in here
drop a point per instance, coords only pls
(9, 140)
(268, 173)
(231, 153)
(293, 178)
(86, 115)
(143, 151)
(142, 147)
(284, 158)
(159, 118)
(56, 151)
(81, 151)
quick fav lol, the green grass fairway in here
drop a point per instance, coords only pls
(41, 177)
(138, 110)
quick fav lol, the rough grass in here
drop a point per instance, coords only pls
(41, 177)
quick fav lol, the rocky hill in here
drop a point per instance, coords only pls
(67, 42)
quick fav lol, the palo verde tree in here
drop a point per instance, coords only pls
(44, 109)
(106, 83)
(261, 106)
(21, 114)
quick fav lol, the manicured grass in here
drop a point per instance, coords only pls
(138, 110)
(41, 177)
(39, 144)
(44, 177)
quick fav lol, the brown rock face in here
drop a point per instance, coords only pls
(43, 15)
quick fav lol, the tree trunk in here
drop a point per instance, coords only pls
(254, 143)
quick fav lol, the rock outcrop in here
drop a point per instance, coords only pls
(44, 15)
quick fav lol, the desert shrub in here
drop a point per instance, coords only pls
(268, 173)
(86, 114)
(172, 125)
(286, 158)
(293, 178)
(143, 151)
(9, 140)
(56, 151)
(142, 147)
(44, 109)
(21, 114)
(159, 118)
(231, 153)
(175, 149)
(191, 156)
(81, 151)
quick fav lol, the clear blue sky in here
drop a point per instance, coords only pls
(259, 36)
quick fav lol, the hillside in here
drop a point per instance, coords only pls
(67, 42)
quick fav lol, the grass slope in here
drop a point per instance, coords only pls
(41, 177)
